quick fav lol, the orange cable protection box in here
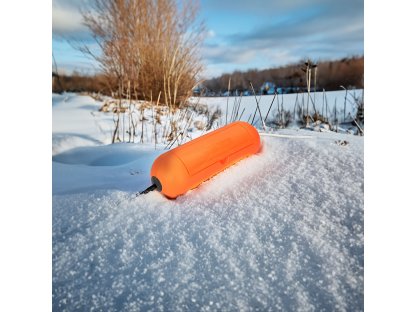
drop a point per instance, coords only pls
(188, 165)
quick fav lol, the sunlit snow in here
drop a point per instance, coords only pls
(281, 230)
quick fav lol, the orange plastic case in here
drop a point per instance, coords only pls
(186, 166)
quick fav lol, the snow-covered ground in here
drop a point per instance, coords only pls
(326, 104)
(281, 230)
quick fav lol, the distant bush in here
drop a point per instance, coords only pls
(78, 83)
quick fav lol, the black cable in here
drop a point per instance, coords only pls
(149, 189)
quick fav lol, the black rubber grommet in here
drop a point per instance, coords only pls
(156, 182)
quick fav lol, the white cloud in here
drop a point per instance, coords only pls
(66, 20)
(279, 57)
(226, 54)
(211, 33)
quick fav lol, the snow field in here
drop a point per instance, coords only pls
(282, 229)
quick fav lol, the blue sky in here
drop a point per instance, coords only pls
(244, 34)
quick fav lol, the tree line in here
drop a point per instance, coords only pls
(348, 72)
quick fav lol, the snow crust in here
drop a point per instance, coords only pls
(281, 230)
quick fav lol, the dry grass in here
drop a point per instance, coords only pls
(147, 47)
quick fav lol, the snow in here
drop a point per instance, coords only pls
(281, 230)
(75, 122)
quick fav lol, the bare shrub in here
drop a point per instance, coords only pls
(199, 124)
(147, 46)
(213, 116)
(359, 103)
(317, 117)
(282, 119)
(198, 108)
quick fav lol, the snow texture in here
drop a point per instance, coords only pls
(281, 230)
